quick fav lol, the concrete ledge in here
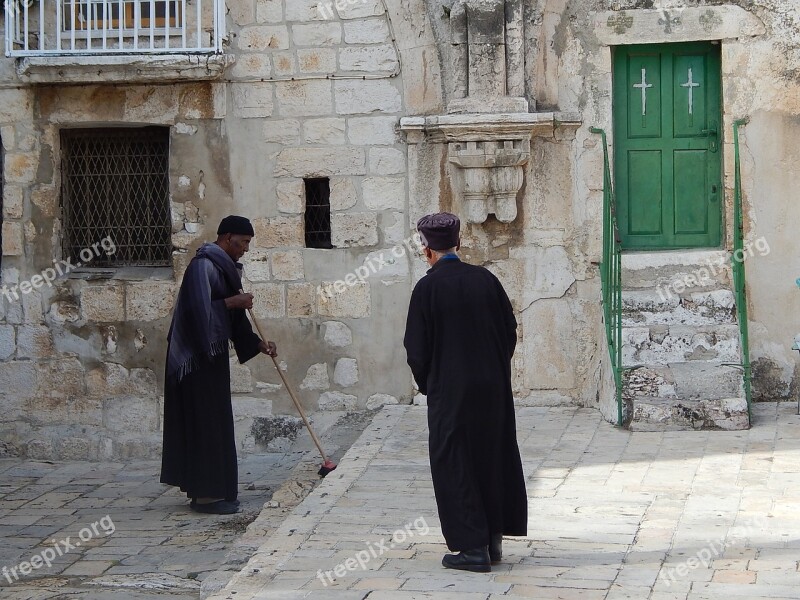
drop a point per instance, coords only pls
(128, 69)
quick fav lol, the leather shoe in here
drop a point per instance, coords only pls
(220, 507)
(233, 501)
(476, 560)
(496, 548)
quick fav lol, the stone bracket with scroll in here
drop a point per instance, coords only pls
(493, 174)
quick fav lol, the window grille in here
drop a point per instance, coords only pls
(120, 14)
(318, 213)
(115, 183)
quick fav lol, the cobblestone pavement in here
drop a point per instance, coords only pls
(110, 531)
(613, 515)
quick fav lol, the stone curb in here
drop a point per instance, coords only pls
(300, 524)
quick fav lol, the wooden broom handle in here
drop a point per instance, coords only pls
(288, 387)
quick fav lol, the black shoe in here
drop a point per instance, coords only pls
(496, 548)
(469, 560)
(233, 501)
(220, 507)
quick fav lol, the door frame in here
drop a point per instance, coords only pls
(617, 90)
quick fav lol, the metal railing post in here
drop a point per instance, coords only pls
(611, 276)
(738, 268)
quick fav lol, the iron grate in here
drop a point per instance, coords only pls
(115, 183)
(318, 213)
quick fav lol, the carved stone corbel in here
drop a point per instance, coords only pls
(487, 154)
(493, 173)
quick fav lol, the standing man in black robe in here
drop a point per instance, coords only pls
(199, 453)
(460, 337)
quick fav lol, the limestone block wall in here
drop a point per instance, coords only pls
(308, 95)
(317, 93)
(547, 256)
(544, 260)
(568, 52)
(310, 92)
(760, 46)
(81, 370)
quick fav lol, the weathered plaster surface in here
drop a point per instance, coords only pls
(81, 363)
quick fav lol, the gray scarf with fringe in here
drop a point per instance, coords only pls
(201, 324)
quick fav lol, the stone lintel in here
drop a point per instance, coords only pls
(651, 26)
(484, 127)
(123, 68)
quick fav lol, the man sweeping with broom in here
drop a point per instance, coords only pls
(199, 453)
(460, 337)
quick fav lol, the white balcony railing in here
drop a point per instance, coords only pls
(93, 27)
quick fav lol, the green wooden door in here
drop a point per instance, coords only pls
(667, 159)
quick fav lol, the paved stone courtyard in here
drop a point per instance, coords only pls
(145, 542)
(614, 515)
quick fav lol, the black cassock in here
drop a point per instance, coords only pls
(460, 337)
(199, 451)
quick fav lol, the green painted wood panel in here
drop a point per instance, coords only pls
(644, 175)
(667, 158)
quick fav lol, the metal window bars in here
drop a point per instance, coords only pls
(115, 184)
(97, 27)
(318, 213)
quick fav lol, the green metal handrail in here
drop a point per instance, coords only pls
(738, 268)
(611, 276)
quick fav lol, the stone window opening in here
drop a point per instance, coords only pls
(115, 185)
(318, 213)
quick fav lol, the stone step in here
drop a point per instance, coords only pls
(677, 414)
(650, 307)
(672, 270)
(696, 380)
(666, 344)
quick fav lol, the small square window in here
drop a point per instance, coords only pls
(318, 213)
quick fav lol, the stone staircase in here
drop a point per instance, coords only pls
(681, 344)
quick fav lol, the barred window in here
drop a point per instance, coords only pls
(318, 213)
(115, 184)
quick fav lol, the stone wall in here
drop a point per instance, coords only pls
(81, 363)
(760, 48)
(306, 94)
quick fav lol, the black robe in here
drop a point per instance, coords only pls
(460, 337)
(199, 451)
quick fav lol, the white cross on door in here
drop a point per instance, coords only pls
(643, 86)
(691, 85)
